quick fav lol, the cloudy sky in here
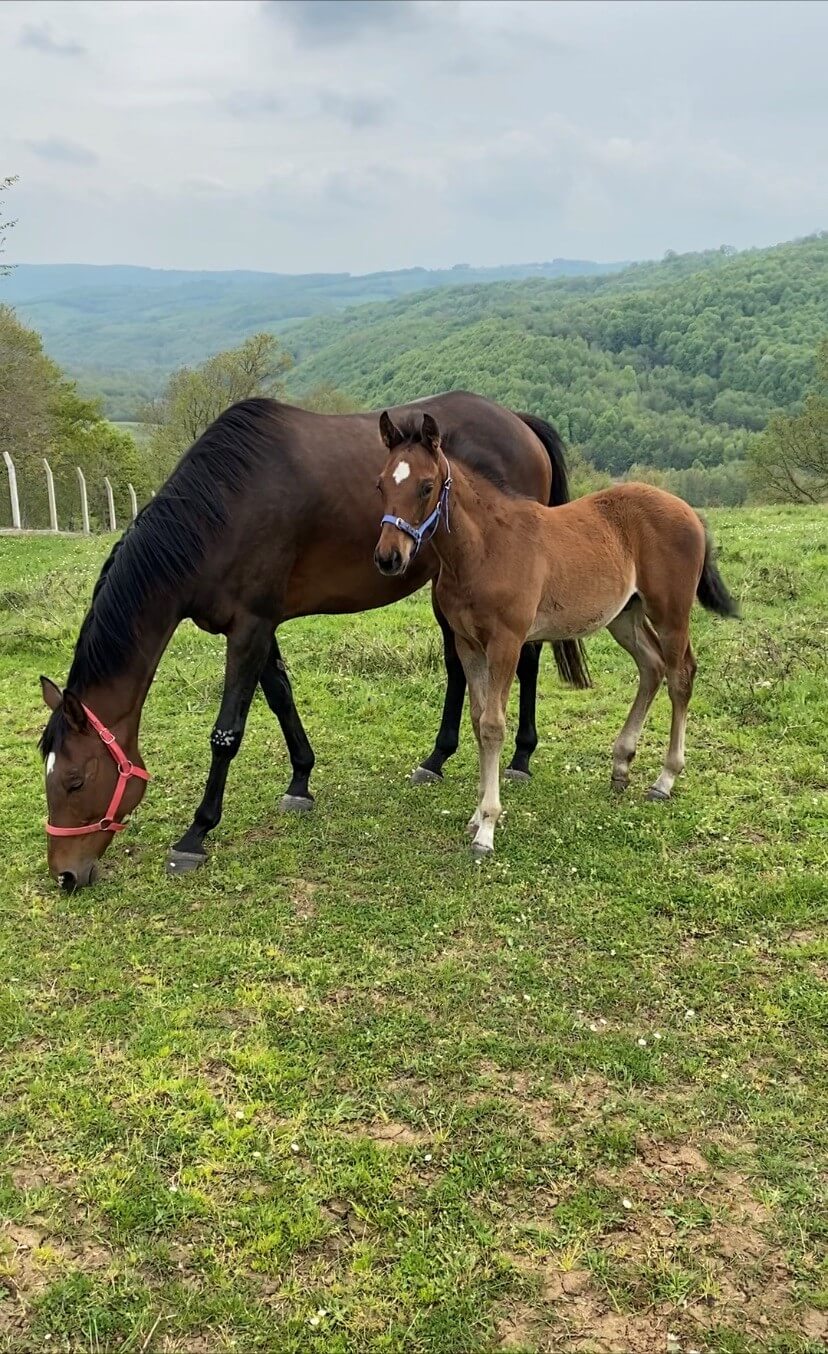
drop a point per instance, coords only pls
(316, 135)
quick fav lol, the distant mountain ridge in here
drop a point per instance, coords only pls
(122, 329)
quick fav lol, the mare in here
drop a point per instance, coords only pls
(270, 515)
(632, 558)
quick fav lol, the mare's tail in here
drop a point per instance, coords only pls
(711, 590)
(570, 656)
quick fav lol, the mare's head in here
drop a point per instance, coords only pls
(410, 486)
(81, 783)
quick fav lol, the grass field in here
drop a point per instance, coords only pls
(343, 1090)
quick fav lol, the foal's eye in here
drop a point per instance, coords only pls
(378, 486)
(426, 488)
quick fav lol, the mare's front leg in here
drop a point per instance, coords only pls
(278, 693)
(527, 733)
(490, 678)
(248, 643)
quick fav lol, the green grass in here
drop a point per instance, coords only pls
(344, 1091)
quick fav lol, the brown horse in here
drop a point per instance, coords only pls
(631, 558)
(270, 515)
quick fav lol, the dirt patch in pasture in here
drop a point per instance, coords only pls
(389, 1133)
(682, 1222)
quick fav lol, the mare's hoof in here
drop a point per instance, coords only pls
(480, 851)
(656, 796)
(512, 773)
(295, 804)
(422, 776)
(618, 786)
(184, 862)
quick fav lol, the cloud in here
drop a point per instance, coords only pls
(252, 103)
(329, 21)
(357, 110)
(56, 149)
(42, 39)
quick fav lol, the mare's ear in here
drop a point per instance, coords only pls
(389, 432)
(74, 712)
(430, 435)
(51, 693)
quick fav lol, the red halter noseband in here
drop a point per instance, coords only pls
(126, 772)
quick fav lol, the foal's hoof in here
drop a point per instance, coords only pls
(512, 773)
(295, 804)
(422, 776)
(184, 862)
(619, 784)
(656, 796)
(481, 852)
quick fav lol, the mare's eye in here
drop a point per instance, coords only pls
(426, 488)
(76, 783)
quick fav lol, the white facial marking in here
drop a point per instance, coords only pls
(402, 471)
(50, 764)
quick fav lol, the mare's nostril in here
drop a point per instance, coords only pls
(67, 881)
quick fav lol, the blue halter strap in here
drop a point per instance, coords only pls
(423, 533)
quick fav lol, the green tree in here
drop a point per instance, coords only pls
(195, 396)
(6, 225)
(789, 462)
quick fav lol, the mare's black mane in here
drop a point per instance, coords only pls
(162, 549)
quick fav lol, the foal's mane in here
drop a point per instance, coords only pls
(162, 549)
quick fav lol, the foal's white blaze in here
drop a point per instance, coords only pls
(50, 764)
(401, 472)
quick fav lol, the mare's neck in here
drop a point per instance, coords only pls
(118, 700)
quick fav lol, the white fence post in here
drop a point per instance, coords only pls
(50, 490)
(133, 502)
(110, 503)
(84, 500)
(15, 501)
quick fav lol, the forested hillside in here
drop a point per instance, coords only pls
(122, 330)
(667, 364)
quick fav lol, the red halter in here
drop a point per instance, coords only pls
(126, 772)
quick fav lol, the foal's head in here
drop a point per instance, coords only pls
(410, 485)
(81, 781)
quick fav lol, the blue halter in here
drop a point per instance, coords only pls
(423, 533)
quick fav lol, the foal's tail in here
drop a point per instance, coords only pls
(570, 655)
(711, 590)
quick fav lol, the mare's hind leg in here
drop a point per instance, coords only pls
(681, 672)
(275, 684)
(527, 733)
(633, 632)
(248, 644)
(448, 735)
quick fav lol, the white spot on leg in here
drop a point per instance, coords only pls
(50, 764)
(401, 472)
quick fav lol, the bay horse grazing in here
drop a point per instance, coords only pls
(270, 515)
(631, 558)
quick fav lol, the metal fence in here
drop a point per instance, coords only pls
(77, 510)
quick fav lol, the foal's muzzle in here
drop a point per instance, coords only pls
(389, 562)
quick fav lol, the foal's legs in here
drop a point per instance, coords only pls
(681, 672)
(490, 679)
(448, 735)
(633, 632)
(275, 684)
(248, 643)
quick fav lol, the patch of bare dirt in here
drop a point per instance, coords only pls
(33, 1257)
(304, 892)
(586, 1097)
(389, 1132)
(516, 1329)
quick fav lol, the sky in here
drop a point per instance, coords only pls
(357, 135)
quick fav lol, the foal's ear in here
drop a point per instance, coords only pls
(52, 695)
(74, 712)
(430, 434)
(389, 432)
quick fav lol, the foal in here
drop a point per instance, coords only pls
(631, 558)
